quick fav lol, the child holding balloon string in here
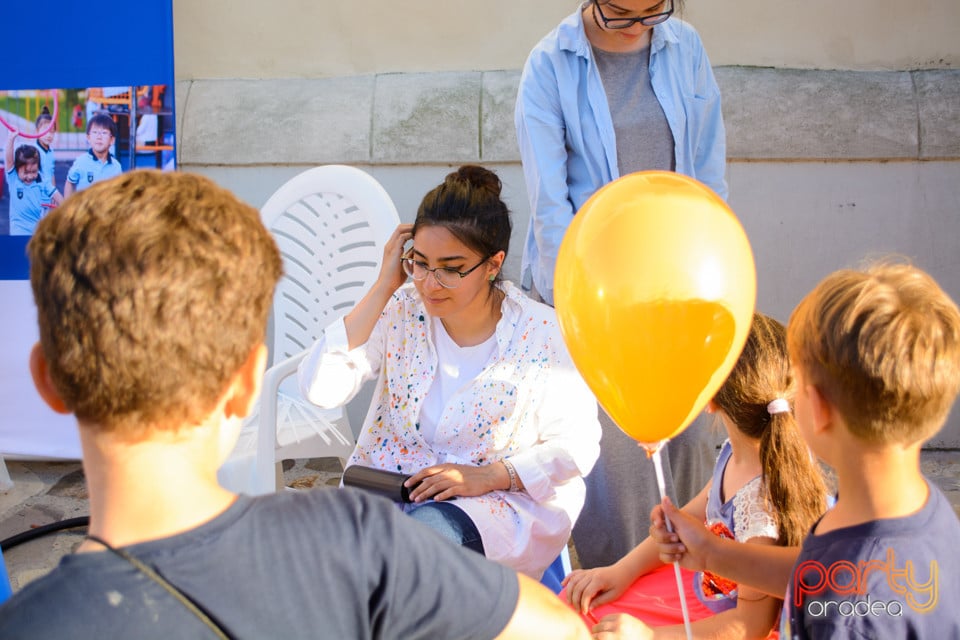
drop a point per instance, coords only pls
(876, 359)
(765, 490)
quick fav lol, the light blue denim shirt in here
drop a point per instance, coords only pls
(566, 137)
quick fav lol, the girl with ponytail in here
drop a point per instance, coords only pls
(766, 489)
(44, 144)
(476, 401)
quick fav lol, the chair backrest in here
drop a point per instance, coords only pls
(331, 224)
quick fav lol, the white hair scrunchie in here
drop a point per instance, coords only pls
(780, 405)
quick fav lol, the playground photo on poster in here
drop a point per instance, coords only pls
(60, 141)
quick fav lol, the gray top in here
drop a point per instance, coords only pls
(324, 563)
(644, 140)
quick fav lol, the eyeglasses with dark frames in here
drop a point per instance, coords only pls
(624, 23)
(446, 277)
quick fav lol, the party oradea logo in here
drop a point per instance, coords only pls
(873, 588)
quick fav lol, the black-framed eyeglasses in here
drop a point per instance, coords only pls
(446, 277)
(624, 23)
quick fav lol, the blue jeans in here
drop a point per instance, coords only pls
(451, 522)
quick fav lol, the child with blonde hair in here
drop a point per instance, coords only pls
(877, 359)
(876, 354)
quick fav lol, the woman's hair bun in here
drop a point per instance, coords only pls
(480, 178)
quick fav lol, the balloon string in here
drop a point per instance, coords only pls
(658, 466)
(39, 134)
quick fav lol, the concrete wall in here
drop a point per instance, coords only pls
(826, 168)
(324, 38)
(843, 118)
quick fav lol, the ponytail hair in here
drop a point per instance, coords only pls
(794, 485)
(467, 203)
(44, 116)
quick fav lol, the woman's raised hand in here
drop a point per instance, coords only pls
(361, 320)
(392, 275)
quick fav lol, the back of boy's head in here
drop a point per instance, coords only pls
(102, 121)
(883, 346)
(152, 289)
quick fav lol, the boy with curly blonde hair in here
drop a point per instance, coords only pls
(877, 358)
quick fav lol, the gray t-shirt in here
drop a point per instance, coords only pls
(325, 563)
(644, 139)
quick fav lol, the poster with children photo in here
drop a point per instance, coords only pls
(60, 141)
(93, 100)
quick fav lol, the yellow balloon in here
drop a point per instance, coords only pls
(654, 289)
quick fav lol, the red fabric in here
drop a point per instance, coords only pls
(654, 599)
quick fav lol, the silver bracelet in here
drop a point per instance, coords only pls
(513, 475)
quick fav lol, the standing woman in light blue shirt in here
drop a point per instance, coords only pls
(619, 86)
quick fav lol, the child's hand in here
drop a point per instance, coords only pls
(687, 544)
(621, 625)
(586, 588)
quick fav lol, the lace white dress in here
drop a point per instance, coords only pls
(746, 515)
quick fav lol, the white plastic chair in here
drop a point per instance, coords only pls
(331, 224)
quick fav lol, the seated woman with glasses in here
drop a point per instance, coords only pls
(476, 396)
(619, 86)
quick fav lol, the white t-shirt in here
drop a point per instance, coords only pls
(457, 366)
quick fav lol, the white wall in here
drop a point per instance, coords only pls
(804, 219)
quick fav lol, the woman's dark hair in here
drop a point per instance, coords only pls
(44, 116)
(25, 154)
(468, 205)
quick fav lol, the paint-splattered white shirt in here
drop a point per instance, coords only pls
(529, 405)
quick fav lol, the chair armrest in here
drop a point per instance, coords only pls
(267, 430)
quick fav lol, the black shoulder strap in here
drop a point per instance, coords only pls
(163, 582)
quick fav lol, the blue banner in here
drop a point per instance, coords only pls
(65, 43)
